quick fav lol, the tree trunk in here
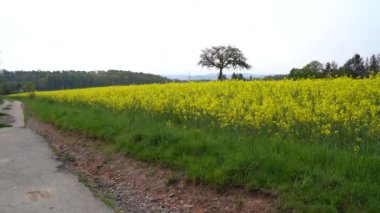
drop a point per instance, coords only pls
(220, 77)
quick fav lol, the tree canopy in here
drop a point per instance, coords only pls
(221, 57)
(355, 67)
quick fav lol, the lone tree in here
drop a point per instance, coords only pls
(222, 57)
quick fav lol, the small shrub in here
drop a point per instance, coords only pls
(172, 180)
(32, 95)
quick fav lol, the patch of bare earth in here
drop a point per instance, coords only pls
(133, 186)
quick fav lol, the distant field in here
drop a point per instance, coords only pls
(315, 142)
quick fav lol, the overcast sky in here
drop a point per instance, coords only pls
(166, 36)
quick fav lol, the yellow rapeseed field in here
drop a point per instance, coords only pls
(343, 108)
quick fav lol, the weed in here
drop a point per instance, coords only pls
(64, 157)
(239, 202)
(31, 95)
(4, 125)
(150, 173)
(82, 179)
(107, 201)
(172, 180)
(69, 158)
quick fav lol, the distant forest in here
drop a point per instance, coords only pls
(355, 67)
(24, 81)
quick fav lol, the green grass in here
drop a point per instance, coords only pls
(1, 100)
(4, 125)
(107, 201)
(312, 177)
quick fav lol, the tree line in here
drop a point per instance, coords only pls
(24, 81)
(355, 67)
(227, 57)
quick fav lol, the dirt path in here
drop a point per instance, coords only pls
(30, 178)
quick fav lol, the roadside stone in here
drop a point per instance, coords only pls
(188, 206)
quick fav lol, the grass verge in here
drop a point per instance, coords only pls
(4, 125)
(307, 176)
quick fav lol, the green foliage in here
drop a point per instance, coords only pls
(172, 180)
(308, 176)
(374, 64)
(238, 76)
(31, 95)
(28, 81)
(312, 70)
(107, 201)
(4, 125)
(354, 67)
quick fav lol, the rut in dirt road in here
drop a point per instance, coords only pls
(30, 180)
